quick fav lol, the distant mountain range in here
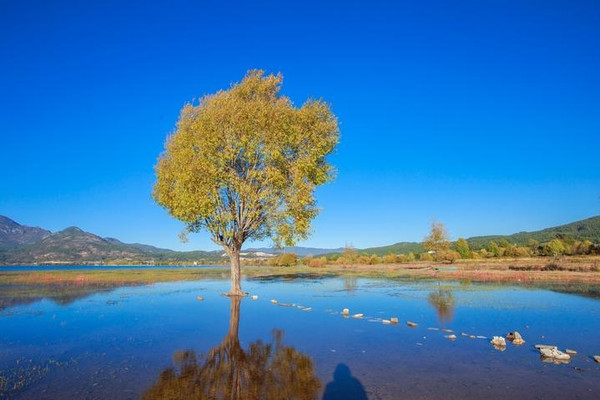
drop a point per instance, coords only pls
(299, 251)
(20, 244)
(13, 234)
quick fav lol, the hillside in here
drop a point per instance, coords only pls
(587, 229)
(13, 234)
(396, 248)
(73, 245)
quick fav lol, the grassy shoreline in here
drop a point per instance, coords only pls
(530, 270)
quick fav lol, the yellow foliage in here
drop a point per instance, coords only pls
(244, 163)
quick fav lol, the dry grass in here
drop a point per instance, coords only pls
(526, 270)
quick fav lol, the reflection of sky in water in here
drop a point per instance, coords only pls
(115, 344)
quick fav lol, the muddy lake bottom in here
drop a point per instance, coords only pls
(161, 341)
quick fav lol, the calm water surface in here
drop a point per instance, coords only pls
(160, 342)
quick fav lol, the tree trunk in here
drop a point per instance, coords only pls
(236, 287)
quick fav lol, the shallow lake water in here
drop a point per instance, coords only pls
(160, 342)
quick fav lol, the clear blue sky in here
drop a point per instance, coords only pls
(482, 114)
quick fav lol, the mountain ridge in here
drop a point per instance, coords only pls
(14, 234)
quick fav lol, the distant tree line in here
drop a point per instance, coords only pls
(439, 248)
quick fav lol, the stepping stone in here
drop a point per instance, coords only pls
(412, 324)
(357, 316)
(571, 352)
(554, 354)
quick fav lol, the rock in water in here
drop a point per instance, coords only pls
(346, 312)
(274, 301)
(200, 298)
(571, 352)
(597, 359)
(554, 354)
(498, 342)
(451, 337)
(386, 321)
(516, 338)
(544, 346)
(254, 297)
(394, 320)
(357, 316)
(411, 324)
(447, 330)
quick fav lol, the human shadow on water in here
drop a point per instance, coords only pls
(344, 386)
(265, 371)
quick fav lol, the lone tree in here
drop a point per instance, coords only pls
(244, 164)
(437, 240)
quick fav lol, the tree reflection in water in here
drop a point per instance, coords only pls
(228, 372)
(350, 284)
(443, 302)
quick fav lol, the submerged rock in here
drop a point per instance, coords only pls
(412, 324)
(386, 321)
(447, 330)
(357, 316)
(451, 337)
(516, 338)
(571, 352)
(254, 297)
(307, 309)
(200, 298)
(274, 301)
